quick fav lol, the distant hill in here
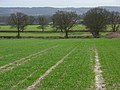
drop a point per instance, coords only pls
(35, 11)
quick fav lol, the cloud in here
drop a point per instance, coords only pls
(59, 3)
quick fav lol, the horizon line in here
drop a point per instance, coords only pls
(56, 7)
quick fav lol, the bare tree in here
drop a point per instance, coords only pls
(114, 18)
(19, 21)
(31, 20)
(42, 22)
(64, 20)
(96, 20)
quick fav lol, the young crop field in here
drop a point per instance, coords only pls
(64, 64)
(35, 27)
(48, 34)
(53, 34)
(47, 28)
(109, 53)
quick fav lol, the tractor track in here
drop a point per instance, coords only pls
(37, 82)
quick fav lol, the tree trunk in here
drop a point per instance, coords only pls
(113, 28)
(117, 27)
(66, 33)
(42, 28)
(61, 30)
(95, 34)
(18, 36)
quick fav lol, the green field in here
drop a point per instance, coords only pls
(53, 34)
(49, 28)
(35, 27)
(23, 61)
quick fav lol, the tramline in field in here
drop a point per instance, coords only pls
(67, 64)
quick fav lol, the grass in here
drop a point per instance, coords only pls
(58, 34)
(49, 28)
(43, 34)
(110, 56)
(35, 28)
(14, 53)
(40, 63)
(76, 72)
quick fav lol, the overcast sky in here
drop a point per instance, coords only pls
(58, 3)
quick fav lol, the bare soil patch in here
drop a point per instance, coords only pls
(99, 80)
(113, 35)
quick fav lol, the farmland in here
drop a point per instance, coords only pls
(35, 27)
(62, 64)
(48, 28)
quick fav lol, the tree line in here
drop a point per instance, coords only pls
(95, 20)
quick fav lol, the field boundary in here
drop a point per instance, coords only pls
(37, 82)
(17, 62)
(45, 37)
(99, 80)
(33, 31)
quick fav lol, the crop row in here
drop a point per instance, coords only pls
(75, 73)
(23, 75)
(15, 50)
(109, 53)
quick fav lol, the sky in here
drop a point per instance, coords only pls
(58, 3)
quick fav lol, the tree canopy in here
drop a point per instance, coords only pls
(96, 20)
(64, 20)
(114, 19)
(18, 20)
(42, 22)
